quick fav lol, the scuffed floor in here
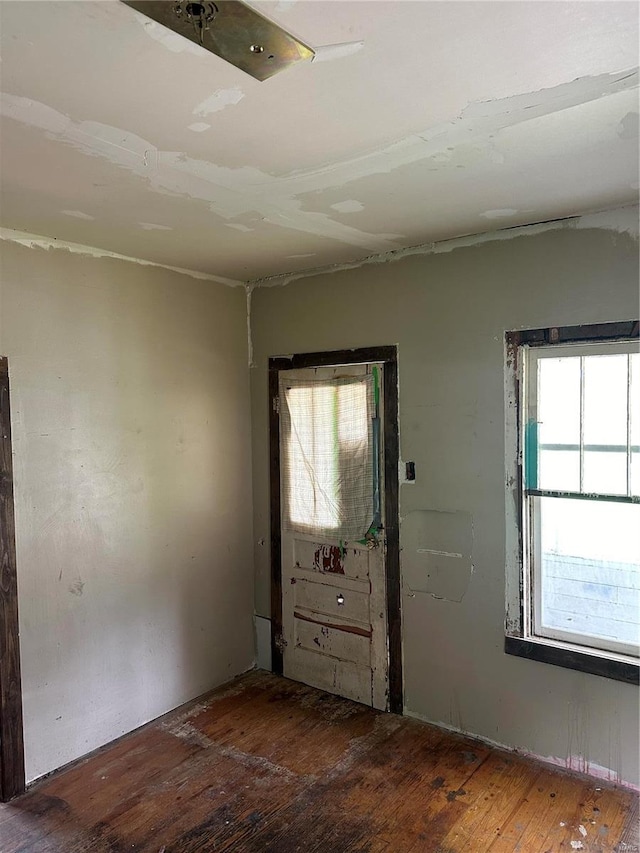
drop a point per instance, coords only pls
(265, 764)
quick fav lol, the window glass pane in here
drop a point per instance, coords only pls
(605, 473)
(590, 570)
(559, 470)
(635, 473)
(605, 399)
(559, 423)
(635, 423)
(559, 400)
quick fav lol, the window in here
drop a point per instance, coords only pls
(575, 414)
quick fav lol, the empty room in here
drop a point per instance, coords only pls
(319, 426)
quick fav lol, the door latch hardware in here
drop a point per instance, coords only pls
(340, 599)
(280, 643)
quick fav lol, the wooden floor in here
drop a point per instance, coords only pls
(269, 765)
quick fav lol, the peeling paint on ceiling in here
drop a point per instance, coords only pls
(501, 213)
(172, 41)
(284, 6)
(218, 101)
(327, 52)
(78, 214)
(239, 227)
(348, 206)
(392, 147)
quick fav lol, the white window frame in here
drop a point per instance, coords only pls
(524, 636)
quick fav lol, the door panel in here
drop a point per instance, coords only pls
(331, 559)
(331, 598)
(343, 678)
(333, 593)
(332, 639)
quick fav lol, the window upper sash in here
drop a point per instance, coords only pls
(565, 395)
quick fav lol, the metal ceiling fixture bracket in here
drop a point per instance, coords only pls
(232, 30)
(201, 15)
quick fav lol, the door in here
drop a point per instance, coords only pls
(334, 614)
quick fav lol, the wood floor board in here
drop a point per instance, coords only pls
(493, 792)
(44, 825)
(321, 817)
(550, 818)
(574, 821)
(368, 787)
(265, 765)
(305, 739)
(216, 793)
(107, 777)
(439, 801)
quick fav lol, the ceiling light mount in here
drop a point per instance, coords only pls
(234, 31)
(201, 15)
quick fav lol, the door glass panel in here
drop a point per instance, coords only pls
(328, 458)
(312, 458)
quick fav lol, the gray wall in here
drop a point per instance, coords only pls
(448, 314)
(131, 428)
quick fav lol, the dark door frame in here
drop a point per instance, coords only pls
(12, 778)
(388, 355)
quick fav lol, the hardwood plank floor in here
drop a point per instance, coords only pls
(265, 765)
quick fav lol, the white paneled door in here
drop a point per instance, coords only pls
(334, 623)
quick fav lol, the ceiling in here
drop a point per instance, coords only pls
(451, 118)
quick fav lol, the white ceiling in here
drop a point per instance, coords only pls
(453, 118)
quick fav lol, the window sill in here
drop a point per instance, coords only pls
(571, 658)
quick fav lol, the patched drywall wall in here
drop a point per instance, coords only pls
(130, 408)
(448, 312)
(437, 551)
